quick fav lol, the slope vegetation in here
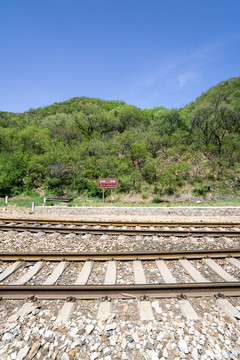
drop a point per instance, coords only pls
(155, 152)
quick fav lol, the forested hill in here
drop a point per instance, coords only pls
(66, 147)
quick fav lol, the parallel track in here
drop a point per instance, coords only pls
(118, 231)
(120, 223)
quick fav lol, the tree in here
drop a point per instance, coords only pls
(214, 120)
(168, 121)
(12, 173)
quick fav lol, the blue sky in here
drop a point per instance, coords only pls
(145, 52)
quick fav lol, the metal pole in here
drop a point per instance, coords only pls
(111, 197)
(103, 195)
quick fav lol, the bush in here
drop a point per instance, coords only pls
(211, 176)
(201, 190)
(169, 191)
(157, 200)
(91, 188)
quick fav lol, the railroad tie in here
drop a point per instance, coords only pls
(57, 272)
(145, 310)
(110, 278)
(228, 308)
(27, 308)
(187, 310)
(31, 272)
(165, 272)
(209, 239)
(65, 312)
(236, 229)
(104, 310)
(9, 270)
(174, 240)
(139, 276)
(195, 275)
(219, 270)
(234, 262)
(192, 239)
(84, 274)
(86, 236)
(227, 240)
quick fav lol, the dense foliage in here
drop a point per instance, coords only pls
(67, 146)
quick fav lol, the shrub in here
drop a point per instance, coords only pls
(157, 200)
(201, 190)
(169, 191)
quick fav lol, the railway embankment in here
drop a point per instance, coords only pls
(161, 211)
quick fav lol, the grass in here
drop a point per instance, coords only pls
(23, 201)
(26, 201)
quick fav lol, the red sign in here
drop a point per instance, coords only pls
(107, 183)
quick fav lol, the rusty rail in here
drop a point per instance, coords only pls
(125, 256)
(121, 223)
(120, 291)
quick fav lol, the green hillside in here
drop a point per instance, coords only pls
(66, 147)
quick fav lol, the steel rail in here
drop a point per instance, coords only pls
(121, 223)
(119, 291)
(124, 256)
(128, 232)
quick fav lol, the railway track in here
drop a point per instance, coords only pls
(28, 268)
(125, 229)
(119, 223)
(72, 288)
(40, 276)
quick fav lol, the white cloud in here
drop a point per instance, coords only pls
(187, 78)
(186, 67)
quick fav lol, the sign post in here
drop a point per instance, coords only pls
(109, 183)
